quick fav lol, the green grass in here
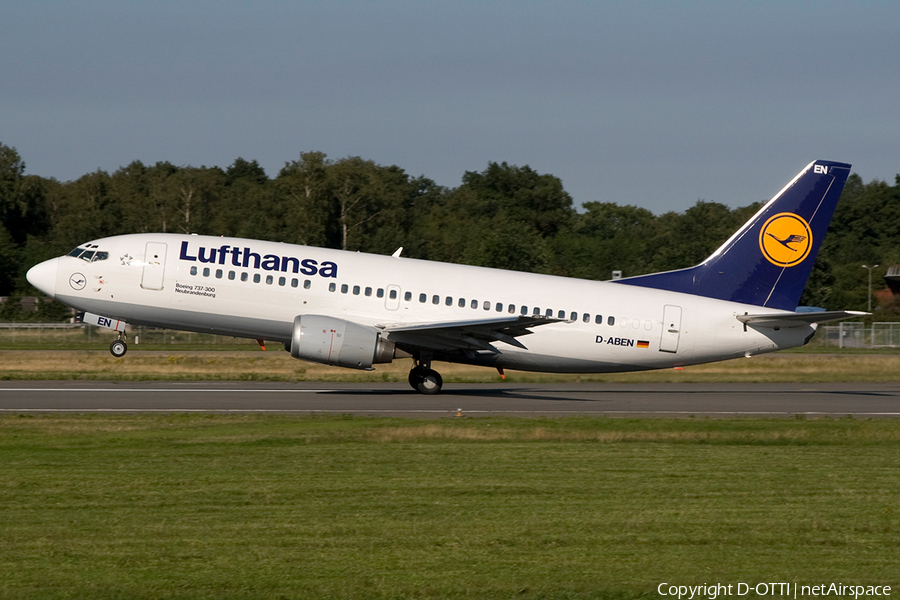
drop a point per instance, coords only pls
(216, 506)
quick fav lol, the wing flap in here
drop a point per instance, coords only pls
(479, 334)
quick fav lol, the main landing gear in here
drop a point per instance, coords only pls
(424, 379)
(118, 348)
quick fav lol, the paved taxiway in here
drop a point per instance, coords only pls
(878, 400)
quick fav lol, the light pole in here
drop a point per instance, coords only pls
(870, 284)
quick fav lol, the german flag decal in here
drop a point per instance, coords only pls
(643, 344)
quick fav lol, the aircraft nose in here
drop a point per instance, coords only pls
(43, 276)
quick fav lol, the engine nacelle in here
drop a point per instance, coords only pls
(338, 342)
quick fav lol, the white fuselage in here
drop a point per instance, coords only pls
(255, 289)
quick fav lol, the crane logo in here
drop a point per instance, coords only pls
(785, 239)
(77, 281)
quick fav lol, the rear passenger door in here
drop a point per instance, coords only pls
(671, 331)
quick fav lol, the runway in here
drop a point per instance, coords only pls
(861, 400)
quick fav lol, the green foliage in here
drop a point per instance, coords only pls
(607, 237)
(505, 216)
(521, 195)
(9, 261)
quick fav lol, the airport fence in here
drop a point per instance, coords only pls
(858, 335)
(82, 335)
(841, 335)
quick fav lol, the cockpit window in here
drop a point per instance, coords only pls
(89, 255)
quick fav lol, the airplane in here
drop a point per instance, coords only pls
(354, 310)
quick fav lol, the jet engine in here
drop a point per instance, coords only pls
(338, 342)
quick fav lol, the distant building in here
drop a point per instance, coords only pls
(892, 279)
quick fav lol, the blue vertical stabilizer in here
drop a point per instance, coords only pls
(768, 261)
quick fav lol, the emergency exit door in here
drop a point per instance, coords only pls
(154, 266)
(671, 328)
(392, 298)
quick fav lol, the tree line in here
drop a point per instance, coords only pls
(505, 216)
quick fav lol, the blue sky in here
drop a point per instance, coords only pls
(647, 103)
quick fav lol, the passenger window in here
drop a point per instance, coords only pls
(344, 288)
(406, 296)
(368, 291)
(295, 282)
(610, 321)
(648, 325)
(379, 293)
(573, 316)
(218, 273)
(561, 314)
(598, 319)
(231, 275)
(282, 281)
(393, 294)
(422, 297)
(206, 271)
(243, 277)
(307, 283)
(548, 312)
(448, 301)
(486, 305)
(332, 287)
(474, 304)
(462, 302)
(269, 279)
(435, 299)
(256, 278)
(536, 311)
(523, 310)
(586, 318)
(356, 290)
(499, 307)
(512, 309)
(193, 270)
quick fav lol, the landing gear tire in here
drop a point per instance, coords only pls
(425, 381)
(414, 374)
(118, 348)
(430, 382)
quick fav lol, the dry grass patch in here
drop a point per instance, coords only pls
(615, 432)
(279, 366)
(66, 426)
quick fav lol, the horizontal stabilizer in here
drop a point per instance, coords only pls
(798, 319)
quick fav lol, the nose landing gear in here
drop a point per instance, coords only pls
(118, 348)
(424, 379)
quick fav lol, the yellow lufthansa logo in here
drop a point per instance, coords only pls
(785, 240)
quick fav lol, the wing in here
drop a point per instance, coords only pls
(467, 335)
(797, 319)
